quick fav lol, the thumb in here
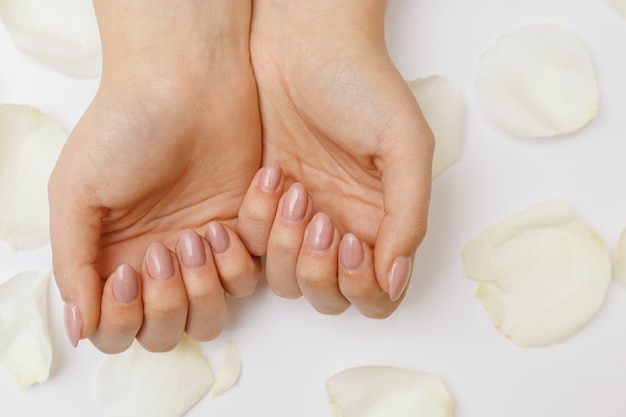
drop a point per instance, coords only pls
(406, 178)
(74, 236)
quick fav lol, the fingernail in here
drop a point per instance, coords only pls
(73, 323)
(319, 232)
(124, 284)
(294, 203)
(398, 277)
(270, 177)
(159, 261)
(218, 237)
(191, 249)
(350, 252)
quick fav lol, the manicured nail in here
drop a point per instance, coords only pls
(124, 284)
(159, 261)
(218, 237)
(73, 323)
(294, 203)
(270, 177)
(398, 277)
(319, 232)
(191, 249)
(350, 252)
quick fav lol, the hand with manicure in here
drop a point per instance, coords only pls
(159, 208)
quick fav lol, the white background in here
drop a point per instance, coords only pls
(289, 350)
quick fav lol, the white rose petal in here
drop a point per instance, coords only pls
(443, 105)
(537, 81)
(229, 371)
(620, 257)
(141, 383)
(543, 273)
(25, 348)
(380, 391)
(62, 34)
(619, 6)
(30, 144)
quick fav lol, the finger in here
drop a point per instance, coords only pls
(357, 280)
(294, 212)
(258, 208)
(164, 300)
(238, 270)
(406, 176)
(207, 311)
(74, 237)
(122, 311)
(316, 270)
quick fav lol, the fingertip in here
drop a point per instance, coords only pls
(207, 307)
(357, 279)
(121, 311)
(82, 299)
(124, 284)
(398, 277)
(258, 208)
(238, 270)
(396, 244)
(73, 323)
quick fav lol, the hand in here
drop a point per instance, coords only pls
(344, 126)
(169, 144)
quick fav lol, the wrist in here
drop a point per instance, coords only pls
(156, 37)
(323, 18)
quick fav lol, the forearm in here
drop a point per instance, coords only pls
(166, 34)
(320, 18)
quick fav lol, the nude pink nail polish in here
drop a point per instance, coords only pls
(319, 232)
(270, 177)
(294, 203)
(350, 252)
(191, 249)
(73, 323)
(398, 277)
(159, 261)
(124, 284)
(218, 237)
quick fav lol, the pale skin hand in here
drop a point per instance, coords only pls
(339, 119)
(170, 142)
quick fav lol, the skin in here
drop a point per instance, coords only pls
(152, 156)
(178, 109)
(341, 121)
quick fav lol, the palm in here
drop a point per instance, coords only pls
(332, 130)
(165, 167)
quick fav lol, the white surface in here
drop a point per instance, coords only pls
(289, 350)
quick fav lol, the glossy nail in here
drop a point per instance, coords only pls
(319, 232)
(350, 252)
(218, 237)
(124, 284)
(294, 203)
(159, 261)
(270, 177)
(398, 277)
(191, 249)
(73, 323)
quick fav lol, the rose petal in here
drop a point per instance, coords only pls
(141, 383)
(229, 371)
(537, 81)
(381, 391)
(620, 257)
(443, 105)
(30, 143)
(543, 273)
(25, 348)
(619, 6)
(62, 34)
